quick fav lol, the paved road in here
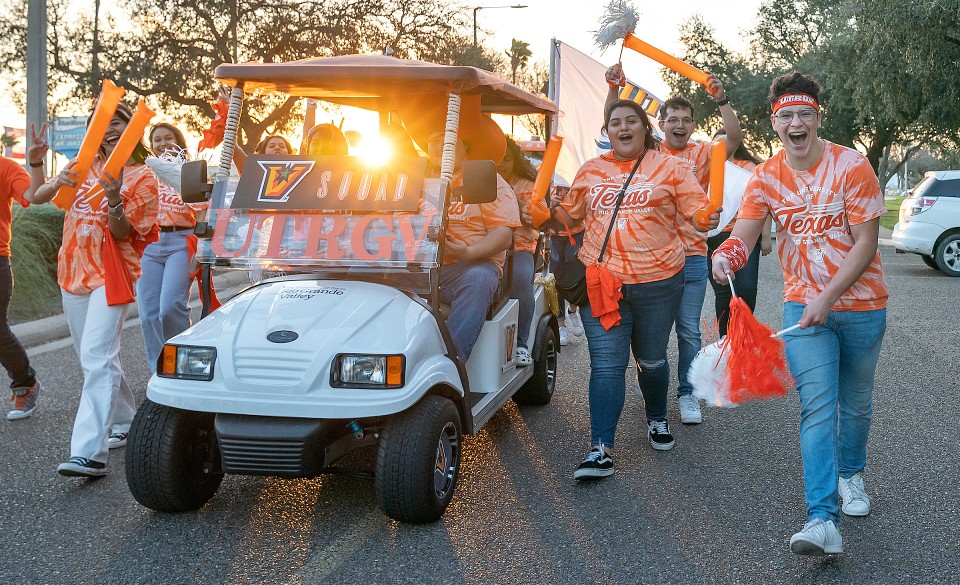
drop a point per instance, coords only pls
(719, 508)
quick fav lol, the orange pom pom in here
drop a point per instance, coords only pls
(756, 362)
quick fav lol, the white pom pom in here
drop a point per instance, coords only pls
(621, 18)
(707, 376)
(166, 168)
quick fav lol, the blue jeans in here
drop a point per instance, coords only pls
(746, 282)
(688, 317)
(163, 291)
(12, 355)
(469, 288)
(647, 312)
(521, 288)
(560, 250)
(834, 366)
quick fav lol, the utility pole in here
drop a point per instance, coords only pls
(36, 65)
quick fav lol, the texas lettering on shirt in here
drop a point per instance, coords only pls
(173, 211)
(645, 245)
(814, 210)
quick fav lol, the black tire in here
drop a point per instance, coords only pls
(538, 390)
(947, 255)
(418, 461)
(929, 261)
(171, 458)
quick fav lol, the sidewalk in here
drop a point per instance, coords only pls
(52, 328)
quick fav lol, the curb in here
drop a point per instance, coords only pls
(55, 327)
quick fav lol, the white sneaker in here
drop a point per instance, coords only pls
(818, 537)
(576, 325)
(523, 356)
(689, 410)
(564, 337)
(855, 500)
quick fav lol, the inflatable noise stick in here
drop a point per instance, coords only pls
(538, 206)
(102, 115)
(718, 156)
(667, 60)
(124, 148)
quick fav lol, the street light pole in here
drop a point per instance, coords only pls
(478, 8)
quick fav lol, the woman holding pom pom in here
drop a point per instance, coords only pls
(827, 203)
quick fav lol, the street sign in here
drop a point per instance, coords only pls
(68, 133)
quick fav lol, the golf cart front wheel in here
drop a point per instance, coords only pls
(418, 461)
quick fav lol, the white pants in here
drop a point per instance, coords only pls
(106, 404)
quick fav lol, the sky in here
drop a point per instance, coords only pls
(573, 22)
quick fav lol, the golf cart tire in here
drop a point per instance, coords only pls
(538, 390)
(171, 455)
(414, 444)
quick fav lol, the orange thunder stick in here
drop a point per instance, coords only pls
(718, 156)
(106, 106)
(667, 60)
(538, 206)
(124, 148)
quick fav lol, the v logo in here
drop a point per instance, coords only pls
(279, 179)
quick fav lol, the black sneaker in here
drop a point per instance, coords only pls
(117, 440)
(82, 467)
(595, 465)
(660, 437)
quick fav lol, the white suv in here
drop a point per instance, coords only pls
(930, 221)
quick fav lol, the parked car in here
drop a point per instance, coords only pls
(930, 221)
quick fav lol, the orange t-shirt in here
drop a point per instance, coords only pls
(563, 194)
(469, 223)
(80, 265)
(646, 245)
(524, 238)
(14, 181)
(814, 210)
(696, 157)
(173, 212)
(748, 165)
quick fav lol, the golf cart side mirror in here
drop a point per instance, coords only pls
(479, 182)
(194, 187)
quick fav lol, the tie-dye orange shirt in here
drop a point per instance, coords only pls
(645, 245)
(696, 157)
(524, 238)
(80, 266)
(469, 223)
(814, 210)
(173, 212)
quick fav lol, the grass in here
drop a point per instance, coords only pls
(37, 231)
(890, 218)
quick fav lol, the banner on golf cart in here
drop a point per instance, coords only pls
(329, 183)
(311, 239)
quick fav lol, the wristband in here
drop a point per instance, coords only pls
(113, 207)
(36, 166)
(723, 102)
(735, 251)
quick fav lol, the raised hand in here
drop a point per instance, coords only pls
(715, 88)
(111, 186)
(38, 145)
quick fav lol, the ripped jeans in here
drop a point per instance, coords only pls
(647, 313)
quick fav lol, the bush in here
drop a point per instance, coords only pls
(37, 231)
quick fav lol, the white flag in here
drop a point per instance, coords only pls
(734, 182)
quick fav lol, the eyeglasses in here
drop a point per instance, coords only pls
(806, 115)
(679, 121)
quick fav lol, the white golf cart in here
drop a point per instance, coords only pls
(350, 347)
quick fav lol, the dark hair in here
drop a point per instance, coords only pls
(335, 143)
(648, 140)
(177, 134)
(677, 102)
(262, 145)
(521, 166)
(742, 152)
(140, 151)
(795, 82)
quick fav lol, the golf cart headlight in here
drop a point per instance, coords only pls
(367, 371)
(187, 362)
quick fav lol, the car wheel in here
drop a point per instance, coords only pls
(418, 461)
(929, 261)
(172, 459)
(538, 390)
(947, 255)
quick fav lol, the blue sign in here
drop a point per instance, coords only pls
(68, 135)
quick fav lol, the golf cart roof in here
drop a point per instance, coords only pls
(365, 80)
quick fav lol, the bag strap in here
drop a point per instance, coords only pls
(613, 219)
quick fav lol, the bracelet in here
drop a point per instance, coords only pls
(113, 207)
(723, 102)
(36, 166)
(118, 216)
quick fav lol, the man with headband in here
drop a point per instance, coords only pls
(827, 204)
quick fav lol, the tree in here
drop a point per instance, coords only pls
(519, 54)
